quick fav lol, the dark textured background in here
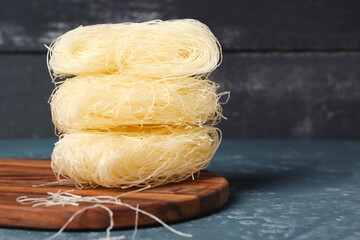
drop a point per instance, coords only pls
(293, 67)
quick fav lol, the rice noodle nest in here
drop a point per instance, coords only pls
(134, 156)
(157, 48)
(108, 101)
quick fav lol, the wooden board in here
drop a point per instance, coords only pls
(171, 203)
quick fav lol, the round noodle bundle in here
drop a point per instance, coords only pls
(134, 156)
(157, 48)
(107, 101)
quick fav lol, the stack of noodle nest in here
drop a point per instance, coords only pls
(135, 106)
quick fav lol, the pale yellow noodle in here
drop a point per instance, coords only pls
(134, 156)
(105, 102)
(157, 48)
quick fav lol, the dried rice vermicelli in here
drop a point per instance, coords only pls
(107, 101)
(134, 156)
(157, 48)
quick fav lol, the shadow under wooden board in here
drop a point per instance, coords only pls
(171, 203)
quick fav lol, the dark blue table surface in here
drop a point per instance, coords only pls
(278, 190)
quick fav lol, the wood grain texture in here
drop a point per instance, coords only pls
(171, 203)
(273, 95)
(240, 25)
